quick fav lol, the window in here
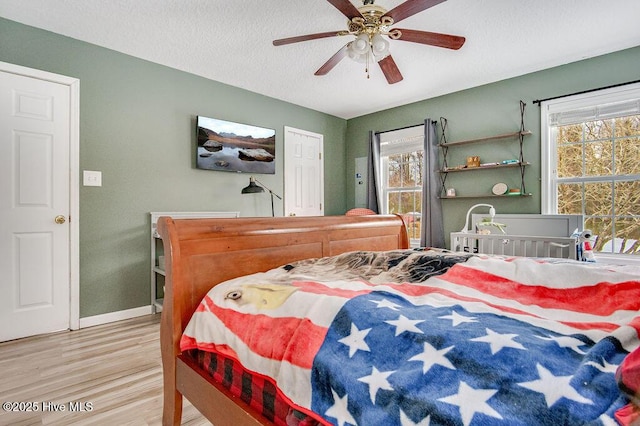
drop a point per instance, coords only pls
(591, 164)
(402, 168)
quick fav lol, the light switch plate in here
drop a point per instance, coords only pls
(91, 178)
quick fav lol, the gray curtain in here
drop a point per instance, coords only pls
(373, 173)
(432, 229)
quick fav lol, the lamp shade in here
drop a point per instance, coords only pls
(361, 44)
(252, 188)
(380, 47)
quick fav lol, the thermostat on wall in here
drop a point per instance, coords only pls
(499, 188)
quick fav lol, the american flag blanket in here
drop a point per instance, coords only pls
(433, 338)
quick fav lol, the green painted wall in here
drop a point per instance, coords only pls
(489, 110)
(137, 127)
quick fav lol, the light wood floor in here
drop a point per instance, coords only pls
(114, 367)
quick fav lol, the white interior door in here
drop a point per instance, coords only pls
(34, 206)
(303, 173)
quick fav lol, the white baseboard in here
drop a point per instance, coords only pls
(115, 316)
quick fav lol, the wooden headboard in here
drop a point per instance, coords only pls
(200, 253)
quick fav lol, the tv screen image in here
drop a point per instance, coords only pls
(235, 147)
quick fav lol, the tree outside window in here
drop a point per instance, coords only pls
(403, 188)
(598, 176)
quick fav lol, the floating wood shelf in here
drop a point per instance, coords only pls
(495, 166)
(486, 196)
(488, 138)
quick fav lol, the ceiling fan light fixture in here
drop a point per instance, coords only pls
(360, 58)
(371, 26)
(379, 46)
(361, 44)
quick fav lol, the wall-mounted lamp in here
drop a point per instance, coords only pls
(254, 188)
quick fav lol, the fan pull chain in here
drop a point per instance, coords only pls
(366, 69)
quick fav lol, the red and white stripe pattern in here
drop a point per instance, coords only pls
(281, 343)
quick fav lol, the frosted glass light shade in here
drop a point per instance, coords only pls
(379, 46)
(361, 44)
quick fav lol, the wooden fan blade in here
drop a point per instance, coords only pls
(433, 39)
(333, 61)
(410, 8)
(390, 70)
(346, 7)
(298, 39)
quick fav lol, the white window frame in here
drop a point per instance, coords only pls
(385, 189)
(395, 142)
(549, 179)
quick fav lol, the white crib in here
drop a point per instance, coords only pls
(530, 235)
(515, 245)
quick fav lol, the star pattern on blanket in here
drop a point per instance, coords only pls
(376, 380)
(403, 324)
(340, 410)
(472, 401)
(605, 367)
(498, 341)
(406, 420)
(431, 356)
(389, 347)
(355, 340)
(384, 303)
(554, 387)
(566, 342)
(457, 319)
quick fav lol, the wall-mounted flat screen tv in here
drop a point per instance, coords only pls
(234, 147)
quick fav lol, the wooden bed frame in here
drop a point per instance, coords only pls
(201, 253)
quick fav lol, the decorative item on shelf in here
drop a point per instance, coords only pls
(458, 167)
(473, 161)
(253, 188)
(499, 188)
(511, 161)
(451, 192)
(514, 191)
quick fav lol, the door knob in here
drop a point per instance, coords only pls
(60, 219)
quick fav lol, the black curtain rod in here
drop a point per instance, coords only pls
(399, 128)
(586, 91)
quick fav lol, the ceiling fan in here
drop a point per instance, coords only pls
(369, 23)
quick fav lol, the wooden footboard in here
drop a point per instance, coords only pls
(201, 253)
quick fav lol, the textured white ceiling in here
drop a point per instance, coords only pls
(230, 42)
